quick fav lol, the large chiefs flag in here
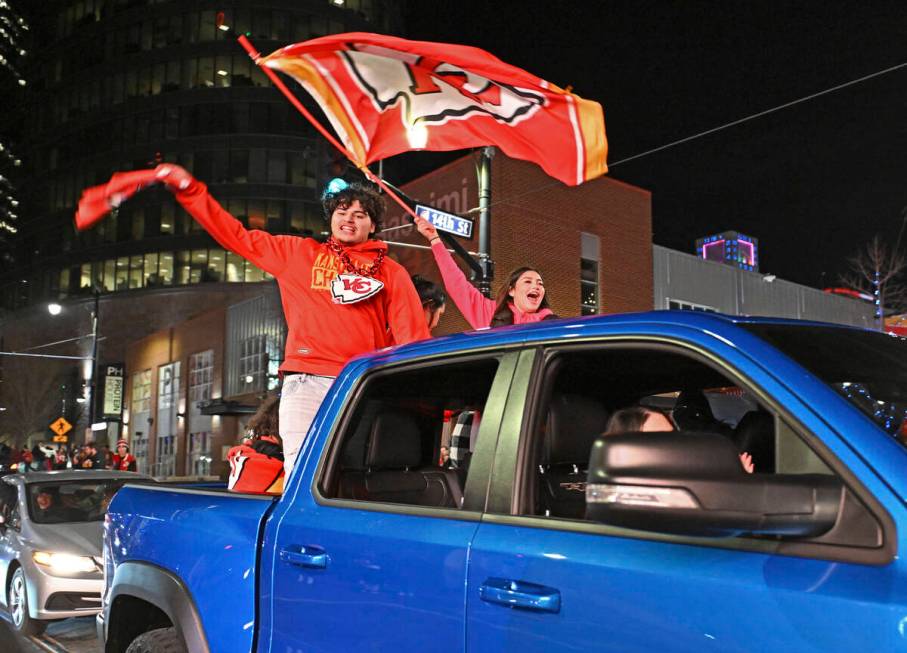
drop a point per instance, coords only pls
(386, 95)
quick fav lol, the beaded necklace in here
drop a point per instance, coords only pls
(349, 266)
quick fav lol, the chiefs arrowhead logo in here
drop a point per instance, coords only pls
(435, 92)
(351, 288)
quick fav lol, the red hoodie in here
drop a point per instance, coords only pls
(322, 335)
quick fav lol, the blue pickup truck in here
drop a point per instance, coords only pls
(458, 495)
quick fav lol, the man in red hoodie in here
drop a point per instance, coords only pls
(341, 298)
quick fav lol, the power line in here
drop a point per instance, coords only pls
(707, 132)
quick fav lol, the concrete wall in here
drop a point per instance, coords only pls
(688, 278)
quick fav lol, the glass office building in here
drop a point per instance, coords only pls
(124, 84)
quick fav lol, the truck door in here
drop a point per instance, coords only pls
(368, 551)
(544, 578)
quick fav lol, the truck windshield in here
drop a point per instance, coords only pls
(868, 368)
(74, 501)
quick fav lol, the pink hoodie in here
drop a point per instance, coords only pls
(475, 307)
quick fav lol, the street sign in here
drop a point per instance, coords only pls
(113, 391)
(61, 438)
(452, 224)
(61, 427)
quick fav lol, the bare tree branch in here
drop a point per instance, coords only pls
(876, 261)
(31, 394)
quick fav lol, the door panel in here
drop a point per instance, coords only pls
(620, 594)
(389, 582)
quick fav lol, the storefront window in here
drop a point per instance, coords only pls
(136, 271)
(165, 269)
(122, 273)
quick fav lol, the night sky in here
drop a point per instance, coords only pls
(812, 182)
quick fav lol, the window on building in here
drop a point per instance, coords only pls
(277, 167)
(182, 268)
(253, 364)
(189, 74)
(141, 392)
(235, 267)
(207, 30)
(198, 265)
(206, 74)
(136, 271)
(165, 466)
(122, 273)
(165, 270)
(167, 407)
(239, 166)
(242, 74)
(85, 276)
(589, 267)
(680, 305)
(216, 263)
(198, 454)
(201, 376)
(110, 275)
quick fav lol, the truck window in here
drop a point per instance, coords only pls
(867, 368)
(411, 436)
(582, 389)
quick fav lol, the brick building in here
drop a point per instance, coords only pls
(539, 222)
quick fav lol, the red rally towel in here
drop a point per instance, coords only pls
(254, 472)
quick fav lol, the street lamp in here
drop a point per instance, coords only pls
(55, 309)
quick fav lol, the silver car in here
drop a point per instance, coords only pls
(51, 526)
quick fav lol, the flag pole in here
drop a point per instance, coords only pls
(255, 55)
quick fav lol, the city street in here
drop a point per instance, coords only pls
(69, 636)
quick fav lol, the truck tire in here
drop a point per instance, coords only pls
(162, 640)
(17, 604)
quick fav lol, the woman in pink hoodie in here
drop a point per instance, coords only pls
(520, 301)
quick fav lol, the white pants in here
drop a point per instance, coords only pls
(300, 398)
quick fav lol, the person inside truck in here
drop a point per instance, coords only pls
(639, 419)
(521, 300)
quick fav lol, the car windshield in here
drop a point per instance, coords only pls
(70, 501)
(867, 368)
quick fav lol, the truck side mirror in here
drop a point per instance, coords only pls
(693, 484)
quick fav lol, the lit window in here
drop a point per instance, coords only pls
(589, 265)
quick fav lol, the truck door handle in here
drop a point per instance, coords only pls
(307, 556)
(520, 594)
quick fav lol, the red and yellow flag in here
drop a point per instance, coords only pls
(385, 95)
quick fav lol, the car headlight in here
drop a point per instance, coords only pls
(65, 563)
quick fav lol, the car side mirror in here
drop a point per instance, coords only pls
(693, 484)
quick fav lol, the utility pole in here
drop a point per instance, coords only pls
(92, 377)
(484, 178)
